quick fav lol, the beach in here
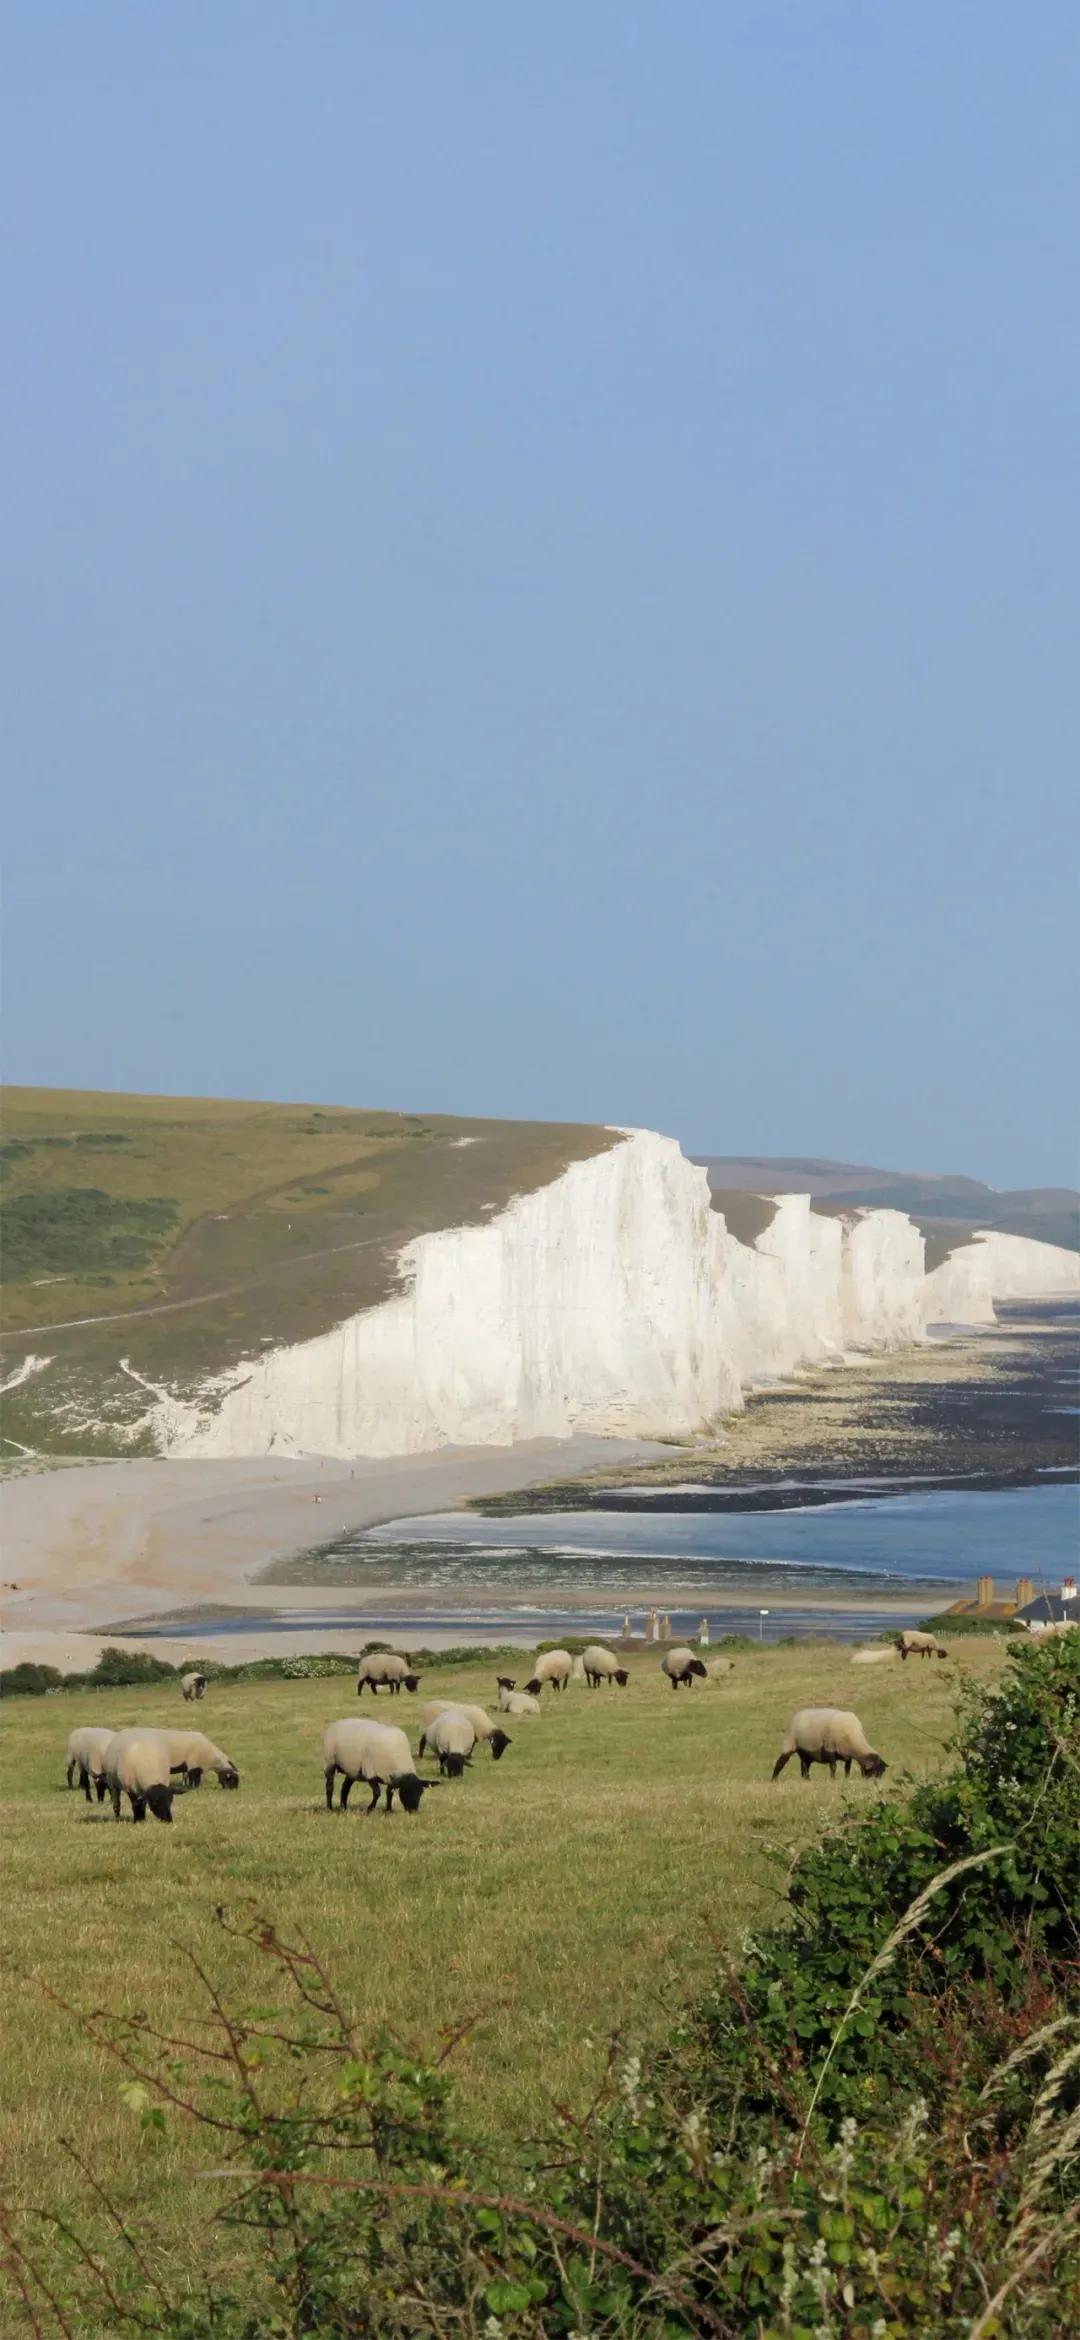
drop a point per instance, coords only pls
(237, 1556)
(91, 1543)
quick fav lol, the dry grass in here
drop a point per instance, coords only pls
(574, 1887)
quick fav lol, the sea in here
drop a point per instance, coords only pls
(844, 1568)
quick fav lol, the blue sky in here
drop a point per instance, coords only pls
(543, 566)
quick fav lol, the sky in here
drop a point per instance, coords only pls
(540, 573)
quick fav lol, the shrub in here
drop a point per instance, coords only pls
(127, 1668)
(29, 1681)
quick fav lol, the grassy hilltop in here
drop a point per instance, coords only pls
(181, 1234)
(581, 1883)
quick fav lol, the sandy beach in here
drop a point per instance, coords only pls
(89, 1544)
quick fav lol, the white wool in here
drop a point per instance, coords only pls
(368, 1750)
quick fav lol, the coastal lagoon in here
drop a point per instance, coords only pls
(844, 1567)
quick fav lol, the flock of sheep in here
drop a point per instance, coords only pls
(143, 1763)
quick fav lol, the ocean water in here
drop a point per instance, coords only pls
(582, 1571)
(939, 1536)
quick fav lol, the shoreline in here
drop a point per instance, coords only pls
(154, 1541)
(90, 1542)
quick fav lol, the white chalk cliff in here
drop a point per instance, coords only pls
(614, 1300)
(997, 1267)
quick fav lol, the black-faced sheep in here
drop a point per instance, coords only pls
(193, 1753)
(452, 1738)
(376, 1752)
(920, 1645)
(85, 1754)
(832, 1735)
(556, 1667)
(193, 1685)
(136, 1765)
(601, 1666)
(680, 1666)
(385, 1669)
(518, 1702)
(482, 1724)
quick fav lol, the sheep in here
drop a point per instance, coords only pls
(85, 1749)
(193, 1753)
(680, 1666)
(506, 1681)
(136, 1764)
(376, 1752)
(556, 1667)
(193, 1685)
(601, 1666)
(452, 1737)
(385, 1669)
(832, 1735)
(873, 1657)
(719, 1668)
(1050, 1632)
(920, 1645)
(482, 1723)
(518, 1702)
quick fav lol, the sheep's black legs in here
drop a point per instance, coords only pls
(138, 1807)
(116, 1803)
(331, 1775)
(375, 1786)
(346, 1791)
(71, 1771)
(84, 1783)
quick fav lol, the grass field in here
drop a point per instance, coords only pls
(192, 1231)
(574, 1887)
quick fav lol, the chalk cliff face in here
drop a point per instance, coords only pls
(614, 1299)
(997, 1267)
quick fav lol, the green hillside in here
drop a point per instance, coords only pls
(182, 1233)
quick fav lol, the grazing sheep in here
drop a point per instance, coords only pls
(873, 1657)
(452, 1737)
(376, 1752)
(601, 1666)
(193, 1685)
(385, 1669)
(136, 1765)
(193, 1753)
(482, 1723)
(719, 1668)
(680, 1666)
(920, 1645)
(1050, 1632)
(85, 1752)
(518, 1702)
(556, 1667)
(832, 1735)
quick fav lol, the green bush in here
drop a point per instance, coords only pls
(127, 1669)
(868, 2129)
(76, 1229)
(29, 1681)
